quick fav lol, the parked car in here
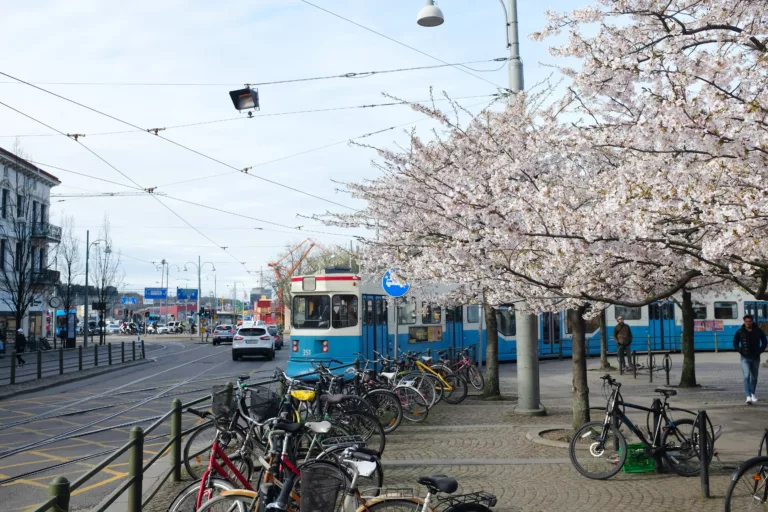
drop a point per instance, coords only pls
(253, 341)
(175, 327)
(162, 329)
(113, 328)
(93, 328)
(222, 333)
(272, 329)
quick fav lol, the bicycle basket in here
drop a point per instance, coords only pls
(222, 401)
(322, 487)
(265, 402)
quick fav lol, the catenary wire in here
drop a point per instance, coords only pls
(457, 66)
(358, 74)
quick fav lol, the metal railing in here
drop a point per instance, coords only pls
(46, 230)
(68, 360)
(60, 489)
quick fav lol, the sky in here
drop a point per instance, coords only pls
(73, 48)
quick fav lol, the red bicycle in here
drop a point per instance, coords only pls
(464, 367)
(234, 473)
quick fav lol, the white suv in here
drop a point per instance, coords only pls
(253, 341)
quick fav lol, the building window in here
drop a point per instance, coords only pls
(473, 314)
(42, 259)
(406, 312)
(43, 213)
(17, 258)
(430, 314)
(726, 310)
(344, 311)
(5, 203)
(34, 212)
(627, 313)
(3, 248)
(19, 205)
(505, 321)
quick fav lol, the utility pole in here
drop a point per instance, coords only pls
(85, 307)
(199, 291)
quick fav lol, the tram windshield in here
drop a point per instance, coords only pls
(311, 312)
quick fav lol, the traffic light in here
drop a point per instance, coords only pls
(202, 312)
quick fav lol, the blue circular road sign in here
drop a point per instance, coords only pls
(391, 287)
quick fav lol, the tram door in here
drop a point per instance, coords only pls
(759, 311)
(550, 336)
(453, 336)
(661, 327)
(369, 327)
(379, 327)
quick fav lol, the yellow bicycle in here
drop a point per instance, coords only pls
(447, 385)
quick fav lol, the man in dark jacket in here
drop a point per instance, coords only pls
(21, 345)
(623, 336)
(750, 342)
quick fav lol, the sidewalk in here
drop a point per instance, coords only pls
(485, 446)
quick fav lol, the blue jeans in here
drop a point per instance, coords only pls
(749, 368)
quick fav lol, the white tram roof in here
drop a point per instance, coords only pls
(324, 282)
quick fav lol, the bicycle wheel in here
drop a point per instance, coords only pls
(387, 408)
(231, 504)
(186, 500)
(597, 451)
(749, 486)
(682, 445)
(457, 391)
(475, 378)
(198, 446)
(413, 403)
(369, 485)
(366, 426)
(424, 385)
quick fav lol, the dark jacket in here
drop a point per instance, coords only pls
(750, 344)
(622, 334)
(21, 342)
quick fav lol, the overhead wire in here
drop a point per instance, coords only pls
(357, 74)
(403, 44)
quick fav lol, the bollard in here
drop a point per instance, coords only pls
(122, 351)
(651, 366)
(560, 349)
(39, 364)
(667, 366)
(109, 354)
(95, 355)
(357, 364)
(80, 358)
(59, 488)
(658, 460)
(176, 436)
(133, 350)
(143, 355)
(704, 452)
(634, 362)
(61, 360)
(54, 343)
(715, 333)
(13, 366)
(135, 463)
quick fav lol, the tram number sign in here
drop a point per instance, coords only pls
(307, 353)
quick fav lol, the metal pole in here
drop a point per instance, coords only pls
(199, 292)
(85, 308)
(656, 435)
(61, 360)
(167, 286)
(528, 390)
(109, 353)
(133, 350)
(516, 82)
(704, 453)
(59, 488)
(13, 366)
(95, 355)
(122, 351)
(176, 436)
(715, 334)
(80, 358)
(39, 364)
(135, 469)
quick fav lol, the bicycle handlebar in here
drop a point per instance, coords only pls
(201, 414)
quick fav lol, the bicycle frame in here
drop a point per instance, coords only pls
(426, 369)
(213, 465)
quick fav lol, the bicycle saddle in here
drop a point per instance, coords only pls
(388, 375)
(243, 377)
(440, 483)
(426, 359)
(318, 427)
(289, 427)
(333, 399)
(666, 392)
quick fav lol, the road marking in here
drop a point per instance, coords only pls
(117, 476)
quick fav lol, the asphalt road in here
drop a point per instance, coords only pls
(32, 425)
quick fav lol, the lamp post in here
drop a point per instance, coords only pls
(199, 267)
(431, 16)
(168, 286)
(88, 245)
(234, 298)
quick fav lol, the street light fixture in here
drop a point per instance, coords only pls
(88, 245)
(430, 15)
(199, 267)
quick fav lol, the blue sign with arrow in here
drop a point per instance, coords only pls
(156, 293)
(392, 287)
(128, 300)
(186, 293)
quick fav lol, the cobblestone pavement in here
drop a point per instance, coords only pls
(484, 444)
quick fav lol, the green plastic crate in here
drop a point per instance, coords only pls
(637, 460)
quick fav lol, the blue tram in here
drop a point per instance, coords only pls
(339, 315)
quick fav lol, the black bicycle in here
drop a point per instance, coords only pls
(598, 450)
(749, 483)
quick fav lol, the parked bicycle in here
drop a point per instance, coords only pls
(598, 449)
(749, 482)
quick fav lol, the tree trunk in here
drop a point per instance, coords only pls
(688, 377)
(604, 364)
(491, 354)
(580, 385)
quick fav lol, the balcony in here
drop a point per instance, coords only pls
(46, 231)
(45, 277)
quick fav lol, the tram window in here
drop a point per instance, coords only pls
(430, 314)
(699, 312)
(344, 311)
(590, 324)
(311, 312)
(381, 312)
(505, 322)
(473, 314)
(368, 313)
(406, 312)
(627, 313)
(726, 310)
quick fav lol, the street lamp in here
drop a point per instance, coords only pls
(168, 287)
(88, 245)
(234, 299)
(199, 267)
(431, 16)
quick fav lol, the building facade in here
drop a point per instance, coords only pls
(27, 275)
